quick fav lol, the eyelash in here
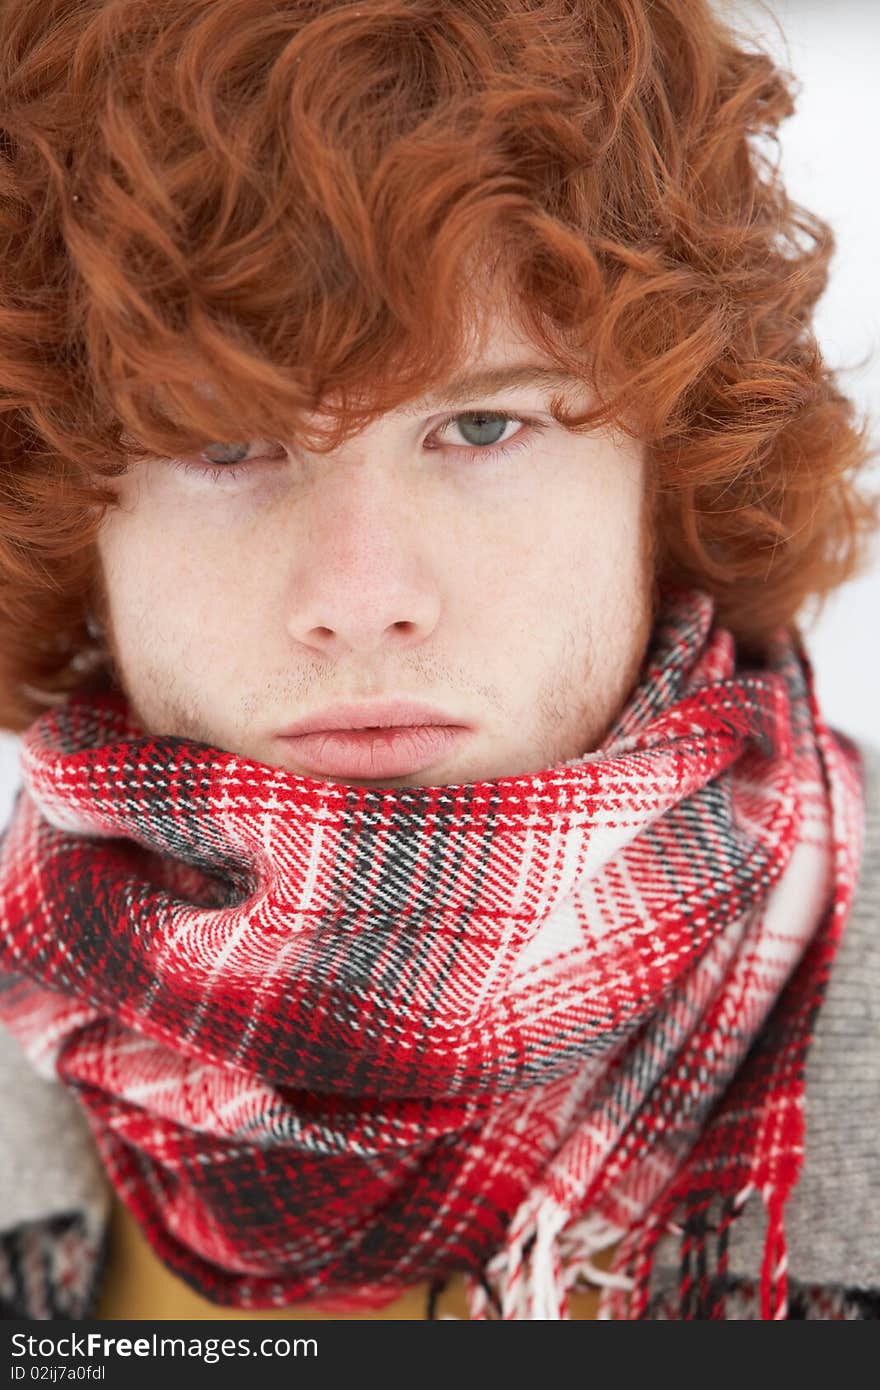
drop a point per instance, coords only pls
(223, 473)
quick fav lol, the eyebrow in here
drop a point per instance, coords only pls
(483, 383)
(507, 377)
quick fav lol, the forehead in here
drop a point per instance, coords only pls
(499, 356)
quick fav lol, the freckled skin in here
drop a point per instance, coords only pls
(515, 594)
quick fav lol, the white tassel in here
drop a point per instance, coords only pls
(543, 1287)
(584, 1239)
(535, 1286)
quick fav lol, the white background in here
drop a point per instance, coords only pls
(829, 162)
(828, 159)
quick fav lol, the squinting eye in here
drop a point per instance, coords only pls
(224, 468)
(230, 454)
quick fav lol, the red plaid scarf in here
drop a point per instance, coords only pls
(333, 1041)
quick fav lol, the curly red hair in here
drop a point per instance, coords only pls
(295, 203)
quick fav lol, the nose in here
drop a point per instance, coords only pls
(363, 579)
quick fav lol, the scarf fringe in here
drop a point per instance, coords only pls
(774, 1269)
(547, 1254)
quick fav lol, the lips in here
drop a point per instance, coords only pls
(389, 737)
(370, 714)
(393, 751)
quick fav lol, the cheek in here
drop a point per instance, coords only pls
(567, 557)
(160, 579)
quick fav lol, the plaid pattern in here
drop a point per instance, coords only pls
(816, 1302)
(53, 1267)
(332, 1041)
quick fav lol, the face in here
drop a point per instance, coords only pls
(498, 570)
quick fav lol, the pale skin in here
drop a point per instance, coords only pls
(513, 592)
